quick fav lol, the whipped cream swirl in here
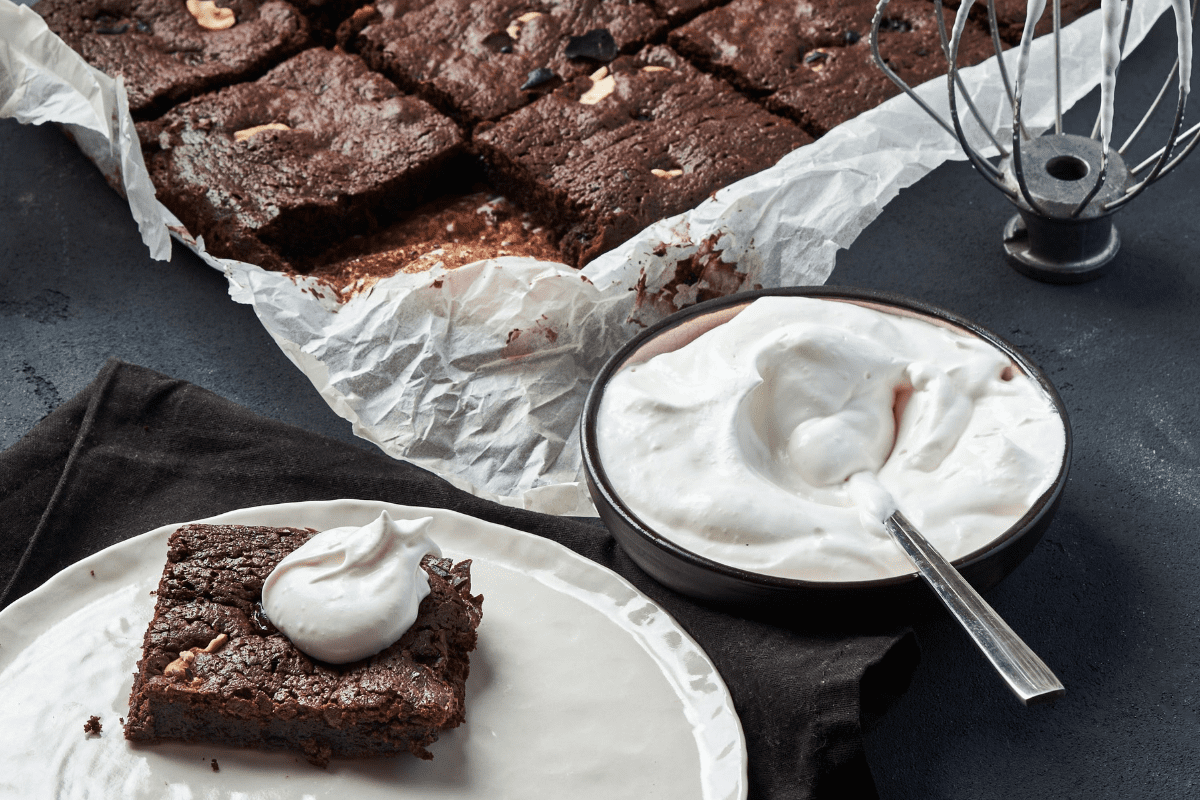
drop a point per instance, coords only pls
(348, 593)
(778, 441)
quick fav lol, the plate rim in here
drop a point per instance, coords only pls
(78, 584)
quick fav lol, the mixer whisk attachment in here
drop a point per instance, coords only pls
(1066, 187)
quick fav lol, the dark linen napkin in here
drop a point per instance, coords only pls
(137, 450)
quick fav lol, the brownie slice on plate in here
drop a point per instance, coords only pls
(318, 149)
(647, 137)
(166, 52)
(214, 668)
(481, 59)
(813, 63)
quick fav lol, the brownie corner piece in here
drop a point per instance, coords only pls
(318, 149)
(164, 52)
(214, 669)
(645, 138)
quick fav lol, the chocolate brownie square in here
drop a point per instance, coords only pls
(813, 63)
(318, 149)
(645, 138)
(164, 51)
(481, 59)
(214, 668)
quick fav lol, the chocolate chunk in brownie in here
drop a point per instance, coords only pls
(448, 232)
(166, 53)
(318, 149)
(645, 138)
(214, 669)
(813, 63)
(481, 59)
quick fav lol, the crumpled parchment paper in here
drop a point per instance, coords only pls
(479, 373)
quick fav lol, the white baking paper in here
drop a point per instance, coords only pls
(479, 373)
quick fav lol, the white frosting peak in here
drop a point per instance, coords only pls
(347, 593)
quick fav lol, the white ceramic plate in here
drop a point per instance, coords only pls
(580, 688)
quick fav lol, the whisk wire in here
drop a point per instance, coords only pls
(1095, 134)
(1153, 106)
(1058, 115)
(1160, 162)
(994, 24)
(1185, 152)
(896, 79)
(1018, 164)
(1150, 111)
(950, 48)
(981, 164)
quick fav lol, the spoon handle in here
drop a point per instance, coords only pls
(1026, 674)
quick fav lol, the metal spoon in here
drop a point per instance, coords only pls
(1026, 674)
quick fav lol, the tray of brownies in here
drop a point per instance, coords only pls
(449, 214)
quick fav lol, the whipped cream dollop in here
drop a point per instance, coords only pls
(779, 440)
(347, 593)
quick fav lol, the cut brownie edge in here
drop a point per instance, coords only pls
(448, 232)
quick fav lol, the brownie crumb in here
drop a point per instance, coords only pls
(93, 572)
(92, 727)
(215, 766)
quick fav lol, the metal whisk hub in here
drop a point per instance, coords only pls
(1052, 242)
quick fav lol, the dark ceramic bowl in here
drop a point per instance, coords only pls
(718, 583)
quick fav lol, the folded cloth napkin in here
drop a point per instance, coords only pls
(136, 450)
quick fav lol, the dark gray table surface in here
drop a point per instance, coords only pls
(1109, 598)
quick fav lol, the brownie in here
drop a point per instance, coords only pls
(813, 63)
(164, 54)
(214, 668)
(448, 232)
(645, 138)
(316, 150)
(481, 59)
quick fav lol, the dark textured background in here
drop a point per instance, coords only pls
(1110, 597)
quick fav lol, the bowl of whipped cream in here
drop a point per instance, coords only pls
(719, 446)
